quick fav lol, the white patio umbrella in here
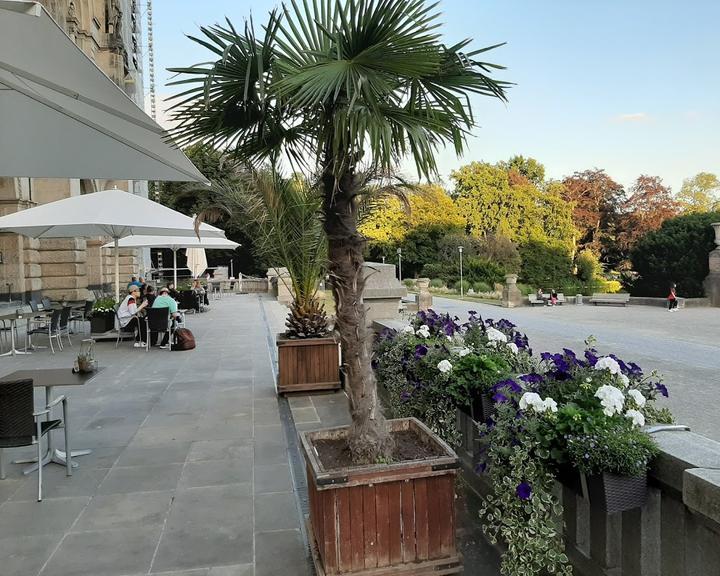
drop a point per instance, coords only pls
(175, 243)
(196, 261)
(113, 213)
(62, 117)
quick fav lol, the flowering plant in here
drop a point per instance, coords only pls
(104, 306)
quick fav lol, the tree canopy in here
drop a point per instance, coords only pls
(701, 193)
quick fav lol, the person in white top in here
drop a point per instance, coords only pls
(129, 317)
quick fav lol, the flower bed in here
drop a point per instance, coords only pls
(578, 418)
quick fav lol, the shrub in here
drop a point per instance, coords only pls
(545, 264)
(466, 285)
(437, 283)
(482, 287)
(588, 266)
(409, 283)
(677, 252)
(526, 289)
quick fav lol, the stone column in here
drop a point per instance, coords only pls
(712, 282)
(284, 287)
(511, 295)
(383, 292)
(424, 298)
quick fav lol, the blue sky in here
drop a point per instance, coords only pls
(631, 86)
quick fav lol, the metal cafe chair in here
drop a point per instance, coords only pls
(122, 333)
(51, 330)
(64, 326)
(20, 425)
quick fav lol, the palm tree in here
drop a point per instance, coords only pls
(282, 215)
(329, 85)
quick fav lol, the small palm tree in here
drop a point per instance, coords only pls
(283, 217)
(329, 85)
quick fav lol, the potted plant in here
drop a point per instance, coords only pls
(340, 86)
(102, 316)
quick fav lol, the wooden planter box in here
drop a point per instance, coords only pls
(384, 519)
(101, 323)
(307, 365)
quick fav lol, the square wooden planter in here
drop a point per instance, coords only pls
(384, 519)
(307, 365)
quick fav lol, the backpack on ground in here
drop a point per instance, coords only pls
(183, 339)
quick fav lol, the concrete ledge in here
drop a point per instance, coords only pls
(701, 492)
(662, 302)
(682, 451)
(390, 323)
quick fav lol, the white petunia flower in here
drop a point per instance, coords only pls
(444, 366)
(529, 399)
(513, 347)
(624, 380)
(494, 334)
(612, 399)
(550, 404)
(449, 338)
(607, 363)
(464, 352)
(408, 330)
(637, 418)
(423, 331)
(638, 397)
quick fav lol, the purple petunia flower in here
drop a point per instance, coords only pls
(662, 389)
(420, 351)
(532, 378)
(499, 398)
(546, 356)
(480, 467)
(634, 369)
(523, 491)
(405, 396)
(591, 358)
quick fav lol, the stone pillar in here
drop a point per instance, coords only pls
(424, 298)
(712, 282)
(383, 292)
(511, 295)
(284, 287)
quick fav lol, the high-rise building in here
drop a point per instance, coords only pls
(109, 32)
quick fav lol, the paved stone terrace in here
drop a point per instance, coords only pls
(189, 474)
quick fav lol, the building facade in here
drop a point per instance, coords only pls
(109, 32)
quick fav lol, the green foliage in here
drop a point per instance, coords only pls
(436, 283)
(482, 287)
(677, 252)
(620, 450)
(701, 193)
(545, 264)
(476, 374)
(475, 269)
(588, 266)
(527, 167)
(526, 289)
(104, 306)
(466, 285)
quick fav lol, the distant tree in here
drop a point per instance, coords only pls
(676, 252)
(527, 167)
(649, 204)
(596, 202)
(701, 193)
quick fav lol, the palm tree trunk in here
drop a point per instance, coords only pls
(369, 439)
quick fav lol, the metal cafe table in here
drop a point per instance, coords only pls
(49, 378)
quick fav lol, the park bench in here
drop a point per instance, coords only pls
(611, 299)
(533, 299)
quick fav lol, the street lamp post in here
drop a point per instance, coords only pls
(460, 249)
(399, 253)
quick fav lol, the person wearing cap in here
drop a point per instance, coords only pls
(164, 300)
(128, 315)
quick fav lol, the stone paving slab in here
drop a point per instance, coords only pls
(183, 445)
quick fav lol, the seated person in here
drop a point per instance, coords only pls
(164, 300)
(539, 295)
(200, 291)
(133, 282)
(171, 290)
(149, 295)
(128, 315)
(553, 297)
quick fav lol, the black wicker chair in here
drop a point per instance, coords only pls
(20, 425)
(47, 303)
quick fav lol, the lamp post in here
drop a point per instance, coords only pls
(399, 253)
(460, 249)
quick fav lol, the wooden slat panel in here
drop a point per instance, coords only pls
(407, 505)
(394, 513)
(357, 528)
(344, 530)
(383, 525)
(421, 519)
(447, 515)
(330, 560)
(370, 527)
(435, 507)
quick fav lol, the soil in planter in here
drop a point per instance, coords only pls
(335, 454)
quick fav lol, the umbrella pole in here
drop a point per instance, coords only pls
(175, 268)
(117, 271)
